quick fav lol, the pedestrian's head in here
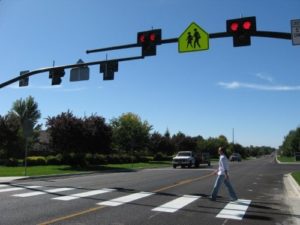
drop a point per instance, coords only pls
(221, 150)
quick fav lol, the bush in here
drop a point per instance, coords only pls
(95, 159)
(143, 159)
(161, 157)
(75, 160)
(113, 159)
(36, 161)
(120, 158)
(11, 162)
(54, 160)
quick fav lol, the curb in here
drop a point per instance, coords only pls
(294, 185)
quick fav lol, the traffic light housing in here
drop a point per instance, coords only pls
(148, 40)
(24, 81)
(56, 75)
(108, 69)
(241, 30)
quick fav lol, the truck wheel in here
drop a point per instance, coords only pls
(208, 164)
(174, 166)
(190, 165)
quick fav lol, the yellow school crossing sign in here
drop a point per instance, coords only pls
(194, 38)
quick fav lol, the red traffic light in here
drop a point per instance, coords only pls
(247, 25)
(148, 41)
(152, 37)
(234, 26)
(241, 30)
(141, 38)
(149, 37)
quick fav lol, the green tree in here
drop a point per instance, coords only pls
(66, 133)
(161, 144)
(291, 143)
(26, 113)
(97, 134)
(130, 133)
(26, 109)
(10, 145)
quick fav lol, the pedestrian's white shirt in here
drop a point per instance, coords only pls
(223, 165)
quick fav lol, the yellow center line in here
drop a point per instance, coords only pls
(72, 215)
(80, 213)
(184, 182)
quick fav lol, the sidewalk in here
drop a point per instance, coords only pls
(292, 196)
(6, 180)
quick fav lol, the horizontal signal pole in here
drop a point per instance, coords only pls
(112, 48)
(47, 69)
(268, 34)
(272, 34)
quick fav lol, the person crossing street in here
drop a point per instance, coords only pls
(223, 177)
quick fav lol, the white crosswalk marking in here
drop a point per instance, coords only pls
(11, 189)
(84, 194)
(235, 210)
(176, 204)
(35, 193)
(125, 199)
(17, 188)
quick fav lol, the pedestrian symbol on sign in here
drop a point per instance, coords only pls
(194, 38)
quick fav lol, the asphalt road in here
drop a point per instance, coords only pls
(152, 197)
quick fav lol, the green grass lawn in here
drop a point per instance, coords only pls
(35, 170)
(64, 169)
(286, 159)
(296, 176)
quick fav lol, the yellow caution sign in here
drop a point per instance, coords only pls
(194, 38)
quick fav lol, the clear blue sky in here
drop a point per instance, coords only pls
(254, 89)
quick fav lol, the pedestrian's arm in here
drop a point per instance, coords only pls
(226, 174)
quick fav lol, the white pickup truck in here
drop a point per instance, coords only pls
(190, 158)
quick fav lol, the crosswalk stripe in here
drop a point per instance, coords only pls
(235, 210)
(176, 204)
(83, 194)
(125, 199)
(17, 188)
(3, 185)
(11, 189)
(35, 193)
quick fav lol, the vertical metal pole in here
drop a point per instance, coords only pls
(26, 153)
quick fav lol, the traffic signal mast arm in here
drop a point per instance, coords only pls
(267, 34)
(48, 69)
(272, 34)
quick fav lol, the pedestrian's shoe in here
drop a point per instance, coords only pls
(212, 198)
(233, 199)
